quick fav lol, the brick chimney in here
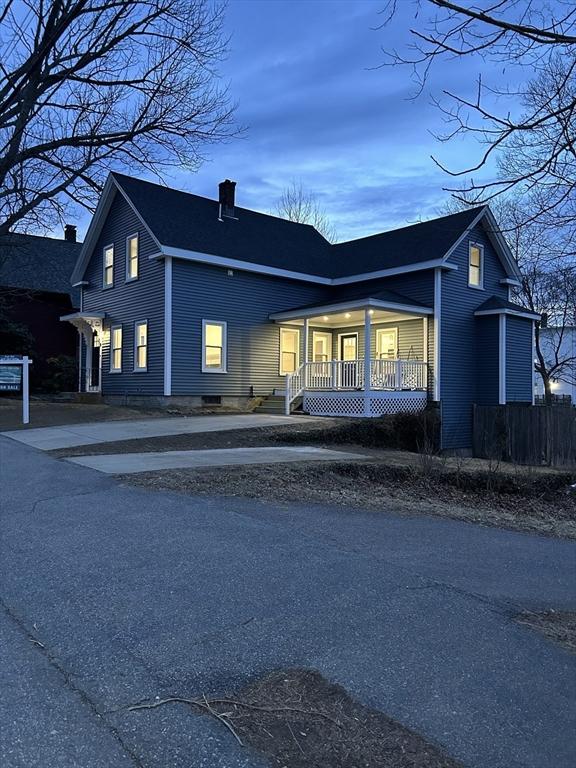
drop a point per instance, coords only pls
(226, 191)
(70, 233)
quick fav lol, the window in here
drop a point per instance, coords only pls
(213, 346)
(321, 347)
(132, 257)
(289, 350)
(475, 259)
(386, 343)
(141, 345)
(108, 266)
(116, 349)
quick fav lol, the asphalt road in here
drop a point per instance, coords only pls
(114, 594)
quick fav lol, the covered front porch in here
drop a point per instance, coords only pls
(365, 358)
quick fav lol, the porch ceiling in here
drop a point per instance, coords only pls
(341, 314)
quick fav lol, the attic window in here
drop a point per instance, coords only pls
(108, 275)
(475, 265)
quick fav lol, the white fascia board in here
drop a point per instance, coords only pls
(323, 309)
(80, 283)
(84, 316)
(507, 311)
(510, 281)
(246, 266)
(498, 241)
(417, 267)
(102, 209)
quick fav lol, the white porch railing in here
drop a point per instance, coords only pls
(336, 375)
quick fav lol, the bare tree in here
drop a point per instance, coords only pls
(87, 85)
(296, 204)
(539, 142)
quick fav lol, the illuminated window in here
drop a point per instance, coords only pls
(213, 346)
(141, 345)
(132, 257)
(475, 259)
(108, 266)
(116, 349)
(289, 350)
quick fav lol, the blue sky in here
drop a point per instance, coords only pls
(316, 110)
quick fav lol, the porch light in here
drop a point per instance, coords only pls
(325, 318)
(347, 315)
(370, 311)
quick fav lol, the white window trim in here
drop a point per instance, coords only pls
(224, 326)
(297, 363)
(116, 327)
(323, 335)
(379, 331)
(480, 286)
(106, 285)
(136, 324)
(339, 345)
(136, 235)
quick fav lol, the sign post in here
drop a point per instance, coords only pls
(14, 376)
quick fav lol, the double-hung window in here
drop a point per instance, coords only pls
(213, 346)
(475, 265)
(108, 274)
(132, 257)
(116, 349)
(289, 350)
(141, 345)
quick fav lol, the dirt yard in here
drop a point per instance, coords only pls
(45, 413)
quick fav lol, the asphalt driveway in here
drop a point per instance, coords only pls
(113, 594)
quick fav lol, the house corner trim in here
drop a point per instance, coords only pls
(502, 359)
(167, 326)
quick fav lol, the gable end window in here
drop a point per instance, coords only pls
(108, 274)
(116, 349)
(475, 265)
(132, 257)
(141, 345)
(214, 334)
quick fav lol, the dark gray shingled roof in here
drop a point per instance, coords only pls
(38, 263)
(183, 220)
(495, 302)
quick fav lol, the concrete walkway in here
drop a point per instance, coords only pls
(51, 438)
(115, 594)
(121, 463)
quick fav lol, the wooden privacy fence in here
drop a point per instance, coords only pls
(526, 434)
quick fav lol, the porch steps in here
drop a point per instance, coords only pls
(272, 404)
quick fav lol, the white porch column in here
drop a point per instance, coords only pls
(305, 335)
(367, 360)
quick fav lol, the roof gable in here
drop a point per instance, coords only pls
(188, 226)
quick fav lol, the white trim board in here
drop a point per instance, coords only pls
(507, 311)
(168, 326)
(437, 333)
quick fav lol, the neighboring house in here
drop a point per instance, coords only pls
(35, 290)
(559, 344)
(189, 299)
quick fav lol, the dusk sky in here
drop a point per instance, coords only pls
(316, 110)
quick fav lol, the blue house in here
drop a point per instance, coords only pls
(189, 300)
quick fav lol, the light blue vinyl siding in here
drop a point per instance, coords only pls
(519, 359)
(128, 302)
(244, 300)
(460, 341)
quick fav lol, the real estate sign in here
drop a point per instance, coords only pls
(10, 376)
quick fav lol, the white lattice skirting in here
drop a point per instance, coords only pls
(354, 403)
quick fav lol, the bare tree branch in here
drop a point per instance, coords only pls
(296, 204)
(87, 85)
